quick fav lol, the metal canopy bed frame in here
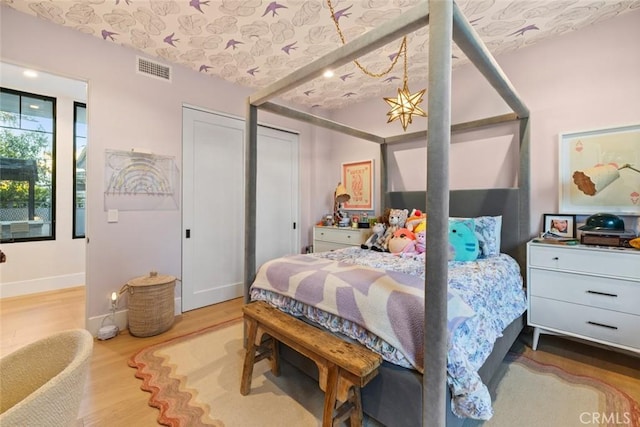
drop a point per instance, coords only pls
(446, 22)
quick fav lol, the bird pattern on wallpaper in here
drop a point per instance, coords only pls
(254, 43)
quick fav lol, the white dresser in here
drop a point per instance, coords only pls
(330, 238)
(587, 292)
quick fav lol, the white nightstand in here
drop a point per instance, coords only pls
(330, 238)
(588, 292)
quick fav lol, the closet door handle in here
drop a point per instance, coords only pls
(602, 325)
(606, 294)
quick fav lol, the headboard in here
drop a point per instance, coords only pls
(473, 203)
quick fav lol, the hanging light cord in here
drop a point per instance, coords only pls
(402, 50)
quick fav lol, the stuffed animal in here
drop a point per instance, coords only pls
(417, 247)
(415, 217)
(376, 238)
(402, 241)
(384, 218)
(463, 241)
(397, 218)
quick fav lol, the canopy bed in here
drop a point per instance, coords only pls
(402, 396)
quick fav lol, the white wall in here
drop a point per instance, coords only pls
(127, 110)
(584, 80)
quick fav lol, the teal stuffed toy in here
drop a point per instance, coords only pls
(463, 241)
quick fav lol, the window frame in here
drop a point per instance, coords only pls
(75, 234)
(54, 134)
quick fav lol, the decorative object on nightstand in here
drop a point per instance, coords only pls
(340, 196)
(604, 229)
(330, 238)
(363, 221)
(562, 225)
(586, 292)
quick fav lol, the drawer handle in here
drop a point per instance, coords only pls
(606, 294)
(601, 324)
(555, 258)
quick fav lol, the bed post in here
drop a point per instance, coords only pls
(384, 183)
(250, 201)
(524, 195)
(434, 381)
(468, 41)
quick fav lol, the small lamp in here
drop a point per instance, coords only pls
(339, 196)
(593, 180)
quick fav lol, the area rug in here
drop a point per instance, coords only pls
(534, 394)
(194, 380)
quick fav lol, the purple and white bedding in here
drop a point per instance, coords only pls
(378, 300)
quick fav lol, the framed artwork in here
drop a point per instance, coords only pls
(600, 171)
(357, 177)
(562, 225)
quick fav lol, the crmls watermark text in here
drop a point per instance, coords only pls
(610, 418)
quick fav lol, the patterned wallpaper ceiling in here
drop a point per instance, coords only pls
(256, 42)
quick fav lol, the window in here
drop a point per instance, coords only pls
(27, 166)
(79, 168)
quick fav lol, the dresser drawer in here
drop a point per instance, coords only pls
(320, 246)
(346, 236)
(586, 322)
(609, 262)
(612, 294)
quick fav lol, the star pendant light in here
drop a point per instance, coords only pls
(406, 104)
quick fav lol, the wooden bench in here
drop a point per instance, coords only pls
(343, 367)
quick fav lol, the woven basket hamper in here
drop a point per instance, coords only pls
(151, 304)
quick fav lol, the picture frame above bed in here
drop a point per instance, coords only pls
(357, 177)
(600, 171)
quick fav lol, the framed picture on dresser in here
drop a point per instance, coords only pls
(560, 224)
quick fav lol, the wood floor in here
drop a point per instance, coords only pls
(113, 396)
(112, 393)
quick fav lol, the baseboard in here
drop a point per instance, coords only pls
(121, 318)
(178, 306)
(44, 284)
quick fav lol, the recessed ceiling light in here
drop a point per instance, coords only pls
(30, 73)
(328, 74)
(34, 107)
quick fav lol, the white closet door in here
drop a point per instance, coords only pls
(277, 189)
(213, 204)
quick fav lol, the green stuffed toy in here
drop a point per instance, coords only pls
(463, 241)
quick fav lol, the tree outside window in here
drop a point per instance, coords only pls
(27, 167)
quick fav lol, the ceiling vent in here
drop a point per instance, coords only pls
(154, 69)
